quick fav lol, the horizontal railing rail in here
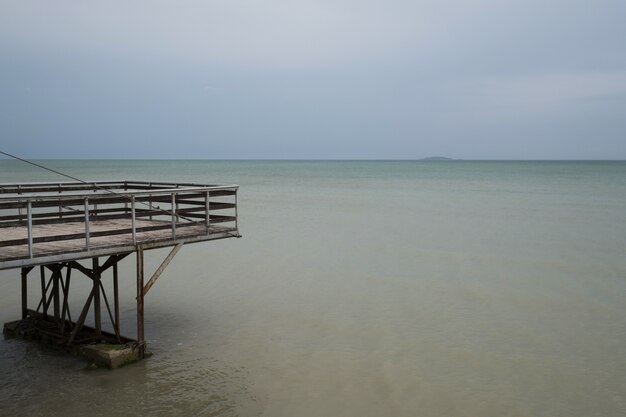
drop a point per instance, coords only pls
(146, 206)
(104, 192)
(56, 187)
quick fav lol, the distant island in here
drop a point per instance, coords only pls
(437, 158)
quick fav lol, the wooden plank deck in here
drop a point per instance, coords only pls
(104, 244)
(44, 223)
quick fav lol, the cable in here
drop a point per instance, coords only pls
(42, 167)
(169, 212)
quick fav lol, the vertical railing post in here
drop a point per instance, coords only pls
(19, 209)
(60, 205)
(207, 209)
(132, 219)
(177, 209)
(236, 216)
(173, 215)
(29, 216)
(87, 223)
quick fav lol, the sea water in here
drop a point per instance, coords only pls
(362, 288)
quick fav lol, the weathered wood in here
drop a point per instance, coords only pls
(29, 229)
(86, 200)
(112, 261)
(86, 271)
(66, 308)
(46, 187)
(56, 306)
(70, 221)
(94, 234)
(106, 302)
(17, 257)
(81, 319)
(161, 268)
(55, 225)
(70, 202)
(116, 299)
(13, 220)
(174, 217)
(161, 195)
(96, 296)
(140, 275)
(44, 290)
(25, 272)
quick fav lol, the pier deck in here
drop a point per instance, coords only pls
(44, 222)
(56, 225)
(148, 232)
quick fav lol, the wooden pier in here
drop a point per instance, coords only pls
(55, 227)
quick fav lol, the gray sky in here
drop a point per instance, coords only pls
(471, 79)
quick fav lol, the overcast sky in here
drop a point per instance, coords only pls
(337, 79)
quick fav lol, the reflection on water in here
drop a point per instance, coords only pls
(366, 289)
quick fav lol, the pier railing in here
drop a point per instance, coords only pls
(37, 213)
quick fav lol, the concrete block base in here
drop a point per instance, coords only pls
(111, 356)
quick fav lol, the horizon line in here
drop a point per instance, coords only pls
(427, 159)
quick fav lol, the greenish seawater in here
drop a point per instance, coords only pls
(363, 288)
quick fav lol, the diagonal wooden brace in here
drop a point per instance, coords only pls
(113, 260)
(161, 268)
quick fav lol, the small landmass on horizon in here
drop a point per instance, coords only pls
(437, 158)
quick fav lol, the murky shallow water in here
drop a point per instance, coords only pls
(364, 289)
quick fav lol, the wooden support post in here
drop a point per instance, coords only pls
(140, 333)
(25, 272)
(96, 296)
(56, 306)
(44, 290)
(66, 308)
(116, 299)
